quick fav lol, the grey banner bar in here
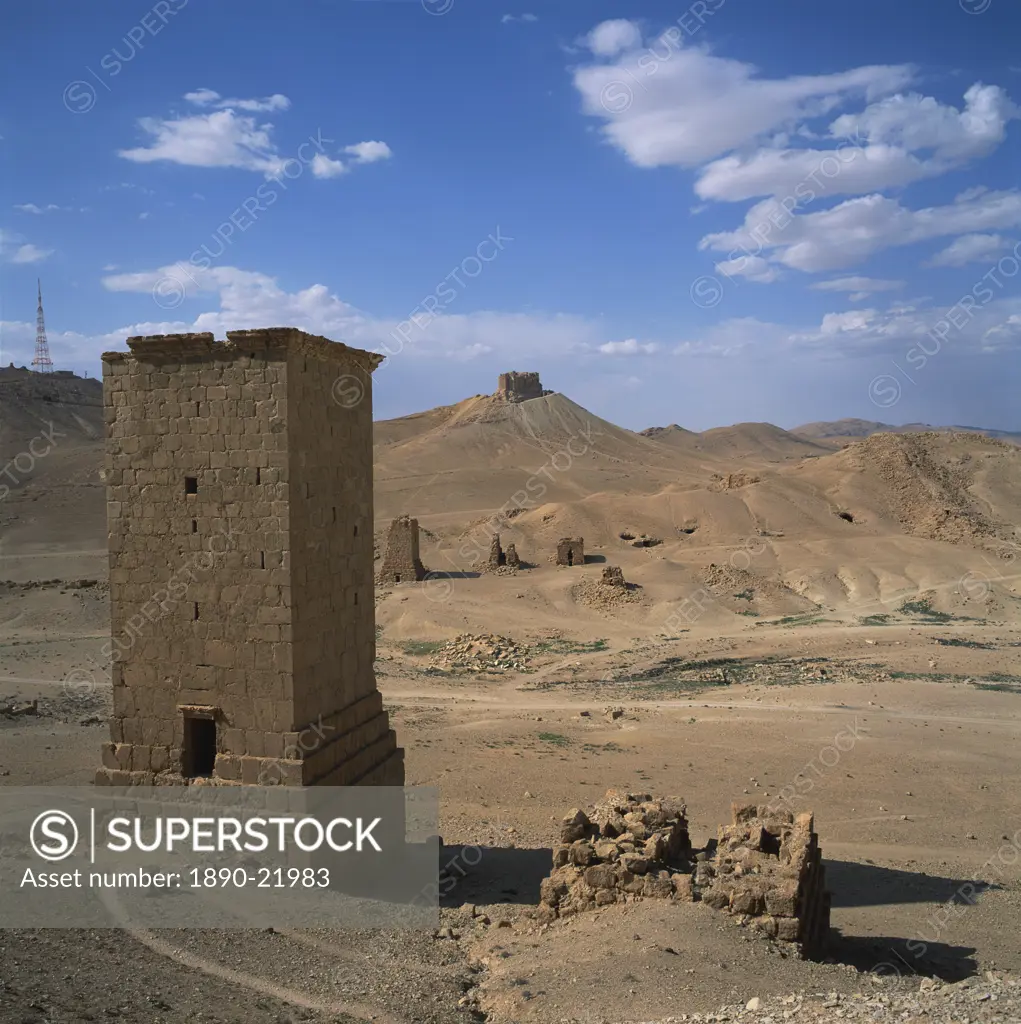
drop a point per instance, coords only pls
(219, 857)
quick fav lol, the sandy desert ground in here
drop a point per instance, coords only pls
(829, 621)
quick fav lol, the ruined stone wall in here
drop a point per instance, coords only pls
(401, 561)
(240, 593)
(519, 387)
(629, 846)
(768, 868)
(765, 868)
(571, 551)
(496, 555)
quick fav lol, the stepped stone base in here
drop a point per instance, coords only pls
(364, 753)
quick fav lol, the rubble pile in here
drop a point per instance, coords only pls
(628, 847)
(718, 482)
(610, 591)
(765, 868)
(481, 652)
(768, 869)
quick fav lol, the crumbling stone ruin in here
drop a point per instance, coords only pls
(496, 555)
(571, 551)
(610, 593)
(498, 560)
(401, 562)
(240, 532)
(519, 387)
(731, 481)
(629, 846)
(766, 867)
(613, 576)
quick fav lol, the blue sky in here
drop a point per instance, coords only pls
(699, 213)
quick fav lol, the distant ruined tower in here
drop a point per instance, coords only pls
(571, 551)
(401, 562)
(519, 387)
(239, 490)
(42, 362)
(496, 554)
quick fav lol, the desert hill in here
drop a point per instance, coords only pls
(855, 428)
(769, 522)
(672, 434)
(759, 441)
(473, 457)
(30, 402)
(753, 510)
(941, 485)
(51, 443)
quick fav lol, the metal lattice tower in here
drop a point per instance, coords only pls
(42, 362)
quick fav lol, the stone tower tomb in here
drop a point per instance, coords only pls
(401, 561)
(571, 551)
(239, 486)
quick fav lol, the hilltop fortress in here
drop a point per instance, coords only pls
(519, 387)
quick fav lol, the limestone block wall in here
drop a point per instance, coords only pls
(768, 868)
(239, 516)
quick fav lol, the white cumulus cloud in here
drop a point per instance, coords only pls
(369, 152)
(609, 38)
(683, 106)
(858, 285)
(209, 98)
(630, 347)
(225, 138)
(855, 229)
(975, 248)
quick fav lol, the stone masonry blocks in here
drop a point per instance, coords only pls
(239, 509)
(765, 867)
(401, 562)
(519, 387)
